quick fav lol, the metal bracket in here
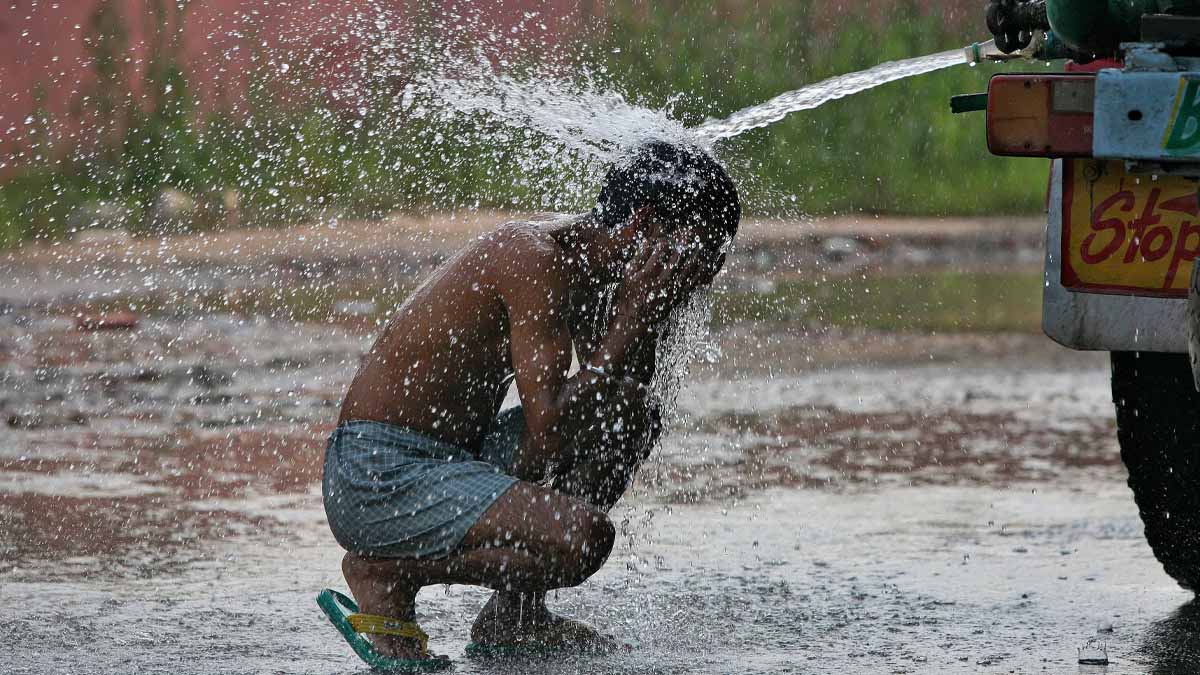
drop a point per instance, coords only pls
(1177, 31)
(1193, 314)
(1149, 57)
(1182, 169)
(968, 103)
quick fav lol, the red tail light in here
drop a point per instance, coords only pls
(1040, 115)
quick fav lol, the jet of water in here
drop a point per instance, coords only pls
(583, 117)
(601, 124)
(814, 95)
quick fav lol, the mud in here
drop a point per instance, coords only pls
(829, 500)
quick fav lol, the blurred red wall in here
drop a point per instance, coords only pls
(44, 56)
(44, 61)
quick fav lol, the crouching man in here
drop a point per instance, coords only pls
(428, 482)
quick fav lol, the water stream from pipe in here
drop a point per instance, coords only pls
(815, 95)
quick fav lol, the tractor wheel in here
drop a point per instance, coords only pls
(1158, 426)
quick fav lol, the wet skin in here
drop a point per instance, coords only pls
(519, 302)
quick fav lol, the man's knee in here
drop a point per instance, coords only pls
(586, 547)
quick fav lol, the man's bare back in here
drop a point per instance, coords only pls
(443, 363)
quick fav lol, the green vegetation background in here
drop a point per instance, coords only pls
(896, 149)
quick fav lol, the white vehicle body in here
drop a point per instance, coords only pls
(1145, 138)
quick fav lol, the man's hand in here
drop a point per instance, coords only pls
(660, 278)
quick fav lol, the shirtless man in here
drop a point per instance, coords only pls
(427, 482)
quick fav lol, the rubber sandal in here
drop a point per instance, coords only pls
(344, 615)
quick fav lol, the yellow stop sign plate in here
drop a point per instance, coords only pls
(1127, 234)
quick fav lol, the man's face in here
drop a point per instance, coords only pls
(688, 241)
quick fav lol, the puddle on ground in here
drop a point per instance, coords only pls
(152, 439)
(898, 580)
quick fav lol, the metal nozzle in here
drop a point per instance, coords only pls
(990, 50)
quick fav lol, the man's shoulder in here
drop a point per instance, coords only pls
(524, 238)
(525, 251)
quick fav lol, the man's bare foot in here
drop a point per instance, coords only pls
(386, 587)
(522, 620)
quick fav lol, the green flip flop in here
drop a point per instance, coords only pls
(344, 615)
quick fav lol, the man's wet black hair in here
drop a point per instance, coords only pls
(683, 184)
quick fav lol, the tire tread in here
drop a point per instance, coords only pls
(1158, 427)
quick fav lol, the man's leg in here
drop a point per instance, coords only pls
(530, 540)
(605, 458)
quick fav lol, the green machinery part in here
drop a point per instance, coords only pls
(1099, 26)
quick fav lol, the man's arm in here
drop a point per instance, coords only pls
(642, 362)
(631, 397)
(535, 294)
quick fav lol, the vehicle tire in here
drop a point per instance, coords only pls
(1158, 426)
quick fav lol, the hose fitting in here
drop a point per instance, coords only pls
(1014, 22)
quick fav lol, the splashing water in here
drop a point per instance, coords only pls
(687, 339)
(601, 124)
(552, 136)
(815, 95)
(583, 117)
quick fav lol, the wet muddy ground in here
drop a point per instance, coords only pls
(831, 499)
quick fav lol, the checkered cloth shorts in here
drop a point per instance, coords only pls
(395, 493)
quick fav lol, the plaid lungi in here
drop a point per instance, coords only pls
(396, 493)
